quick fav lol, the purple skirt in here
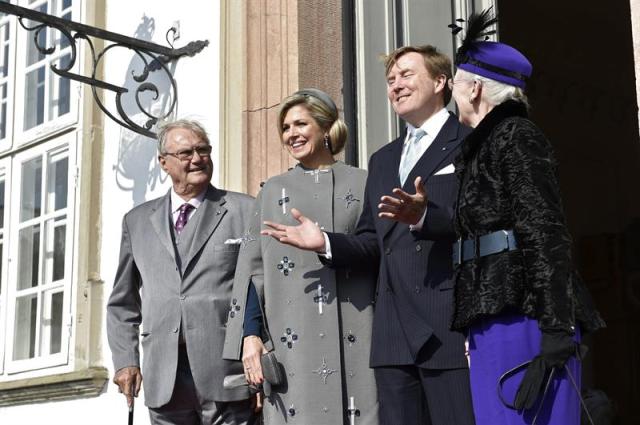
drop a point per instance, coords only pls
(498, 344)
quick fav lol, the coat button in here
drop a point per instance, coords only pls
(234, 302)
(232, 314)
(418, 248)
(175, 330)
(387, 251)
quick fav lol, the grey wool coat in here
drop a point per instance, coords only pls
(318, 319)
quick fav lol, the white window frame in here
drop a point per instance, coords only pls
(5, 171)
(69, 142)
(50, 126)
(5, 143)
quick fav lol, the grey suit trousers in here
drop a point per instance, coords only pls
(187, 407)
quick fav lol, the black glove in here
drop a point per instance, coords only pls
(557, 347)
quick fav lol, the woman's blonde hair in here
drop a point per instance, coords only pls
(322, 110)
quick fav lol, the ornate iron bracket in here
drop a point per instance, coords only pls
(154, 57)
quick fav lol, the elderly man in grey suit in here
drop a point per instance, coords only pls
(177, 262)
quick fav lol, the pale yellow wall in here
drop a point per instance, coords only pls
(271, 48)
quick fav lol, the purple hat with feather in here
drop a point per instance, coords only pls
(490, 59)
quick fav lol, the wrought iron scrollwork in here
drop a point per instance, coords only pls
(154, 58)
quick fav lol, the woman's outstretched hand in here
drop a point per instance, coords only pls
(307, 235)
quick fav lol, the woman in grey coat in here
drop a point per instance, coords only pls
(317, 319)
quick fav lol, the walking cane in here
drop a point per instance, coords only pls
(131, 413)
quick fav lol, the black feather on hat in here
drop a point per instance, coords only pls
(477, 25)
(490, 59)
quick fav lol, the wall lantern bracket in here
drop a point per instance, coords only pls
(154, 58)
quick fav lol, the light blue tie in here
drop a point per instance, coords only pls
(411, 154)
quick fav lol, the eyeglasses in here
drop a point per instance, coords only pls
(186, 154)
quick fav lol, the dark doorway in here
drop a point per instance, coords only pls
(583, 95)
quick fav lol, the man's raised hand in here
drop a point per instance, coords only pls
(404, 207)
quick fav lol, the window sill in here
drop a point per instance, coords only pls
(66, 386)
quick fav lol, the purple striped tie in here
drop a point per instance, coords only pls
(183, 217)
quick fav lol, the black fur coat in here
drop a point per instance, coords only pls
(508, 181)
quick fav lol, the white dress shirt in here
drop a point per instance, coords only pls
(431, 127)
(177, 201)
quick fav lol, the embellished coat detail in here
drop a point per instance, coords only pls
(319, 319)
(508, 181)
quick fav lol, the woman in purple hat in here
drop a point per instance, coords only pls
(517, 292)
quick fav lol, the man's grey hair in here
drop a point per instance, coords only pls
(192, 125)
(494, 92)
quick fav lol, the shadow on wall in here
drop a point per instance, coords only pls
(137, 169)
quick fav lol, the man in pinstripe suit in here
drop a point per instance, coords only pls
(420, 365)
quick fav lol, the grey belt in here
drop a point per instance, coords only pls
(492, 243)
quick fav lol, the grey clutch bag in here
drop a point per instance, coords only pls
(271, 369)
(232, 382)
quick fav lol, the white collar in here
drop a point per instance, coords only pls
(177, 201)
(431, 126)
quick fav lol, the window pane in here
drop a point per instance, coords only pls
(3, 111)
(33, 55)
(1, 251)
(64, 90)
(66, 4)
(31, 198)
(60, 90)
(59, 236)
(63, 41)
(2, 184)
(57, 181)
(1, 286)
(28, 257)
(34, 102)
(51, 323)
(4, 67)
(4, 50)
(24, 340)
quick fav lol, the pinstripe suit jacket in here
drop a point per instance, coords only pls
(414, 303)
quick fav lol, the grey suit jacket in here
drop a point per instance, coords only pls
(161, 284)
